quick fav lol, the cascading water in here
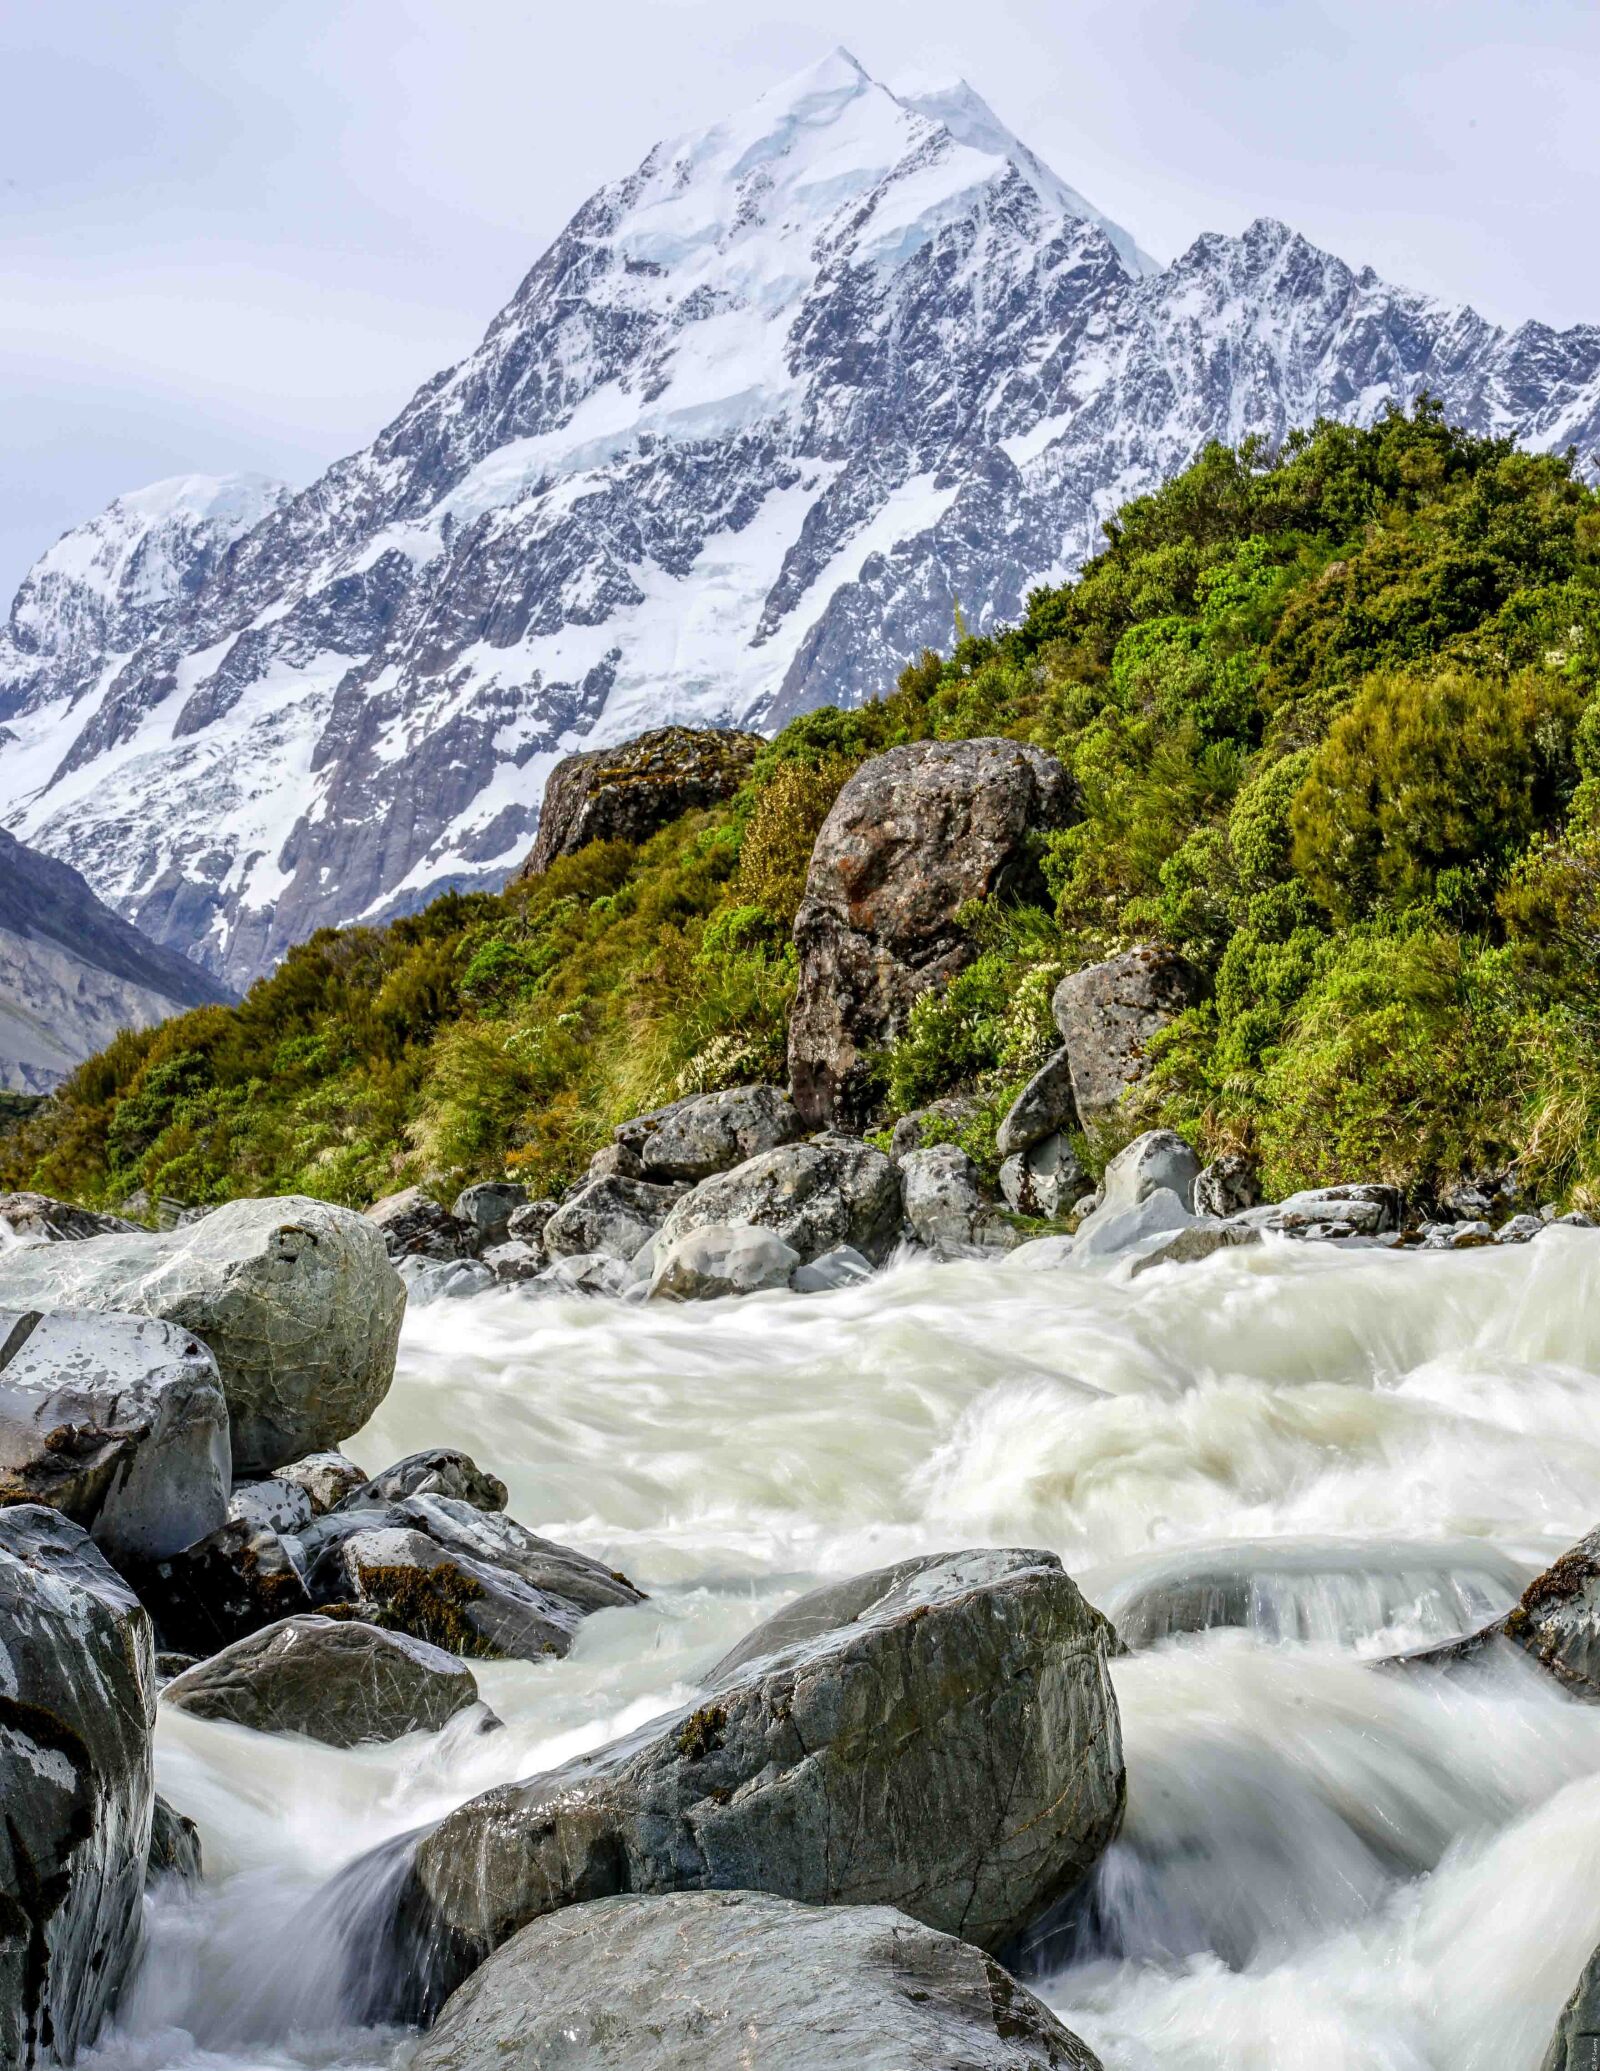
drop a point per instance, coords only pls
(1274, 1467)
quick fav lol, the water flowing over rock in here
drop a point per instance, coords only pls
(119, 1423)
(724, 1980)
(77, 1704)
(1109, 1014)
(337, 1681)
(941, 1736)
(174, 1846)
(815, 1196)
(630, 792)
(709, 1132)
(296, 1300)
(914, 835)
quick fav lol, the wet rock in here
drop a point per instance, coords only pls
(587, 1272)
(1520, 1229)
(1110, 1014)
(1046, 1180)
(1228, 1185)
(415, 1226)
(1451, 1236)
(273, 1505)
(119, 1423)
(512, 1263)
(630, 792)
(428, 1280)
(327, 1478)
(710, 1132)
(815, 1196)
(485, 1211)
(228, 1584)
(1557, 1620)
(844, 1266)
(1044, 1106)
(77, 1704)
(461, 1578)
(1112, 1232)
(726, 1980)
(1575, 2045)
(39, 1219)
(1159, 1158)
(1330, 1213)
(614, 1217)
(527, 1224)
(441, 1471)
(914, 835)
(944, 1206)
(1199, 1240)
(296, 1300)
(941, 1736)
(174, 1847)
(719, 1259)
(1044, 1254)
(337, 1681)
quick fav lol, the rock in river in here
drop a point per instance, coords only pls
(77, 1703)
(119, 1423)
(815, 1196)
(728, 1980)
(721, 1258)
(296, 1299)
(941, 1736)
(334, 1680)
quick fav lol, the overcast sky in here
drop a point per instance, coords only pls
(239, 236)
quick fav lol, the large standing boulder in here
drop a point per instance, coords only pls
(615, 1217)
(334, 1680)
(119, 1423)
(1110, 1014)
(708, 1132)
(914, 835)
(296, 1299)
(815, 1196)
(939, 1736)
(728, 1980)
(77, 1705)
(630, 792)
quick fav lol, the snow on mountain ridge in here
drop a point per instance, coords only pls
(764, 409)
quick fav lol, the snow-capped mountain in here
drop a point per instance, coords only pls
(762, 413)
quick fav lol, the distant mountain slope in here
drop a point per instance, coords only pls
(72, 972)
(763, 413)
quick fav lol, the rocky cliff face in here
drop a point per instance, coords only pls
(72, 972)
(761, 414)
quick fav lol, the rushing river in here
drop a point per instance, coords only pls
(1325, 1867)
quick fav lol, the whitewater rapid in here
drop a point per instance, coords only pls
(1326, 1866)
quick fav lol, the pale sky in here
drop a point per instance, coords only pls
(239, 236)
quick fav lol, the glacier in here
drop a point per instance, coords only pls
(765, 413)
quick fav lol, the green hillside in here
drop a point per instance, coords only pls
(1331, 716)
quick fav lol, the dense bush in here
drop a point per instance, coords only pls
(1330, 711)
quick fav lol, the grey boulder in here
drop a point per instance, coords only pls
(1110, 1014)
(941, 1736)
(526, 1224)
(589, 1272)
(815, 1196)
(484, 1211)
(1199, 1240)
(230, 1583)
(414, 1225)
(913, 838)
(428, 1280)
(296, 1300)
(844, 1266)
(174, 1847)
(458, 1577)
(719, 1259)
(1227, 1186)
(334, 1680)
(728, 1980)
(440, 1471)
(77, 1705)
(327, 1478)
(1113, 1233)
(512, 1263)
(1333, 1213)
(1046, 1180)
(1575, 2045)
(1159, 1158)
(709, 1132)
(614, 1217)
(1044, 1105)
(41, 1219)
(944, 1207)
(273, 1505)
(119, 1423)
